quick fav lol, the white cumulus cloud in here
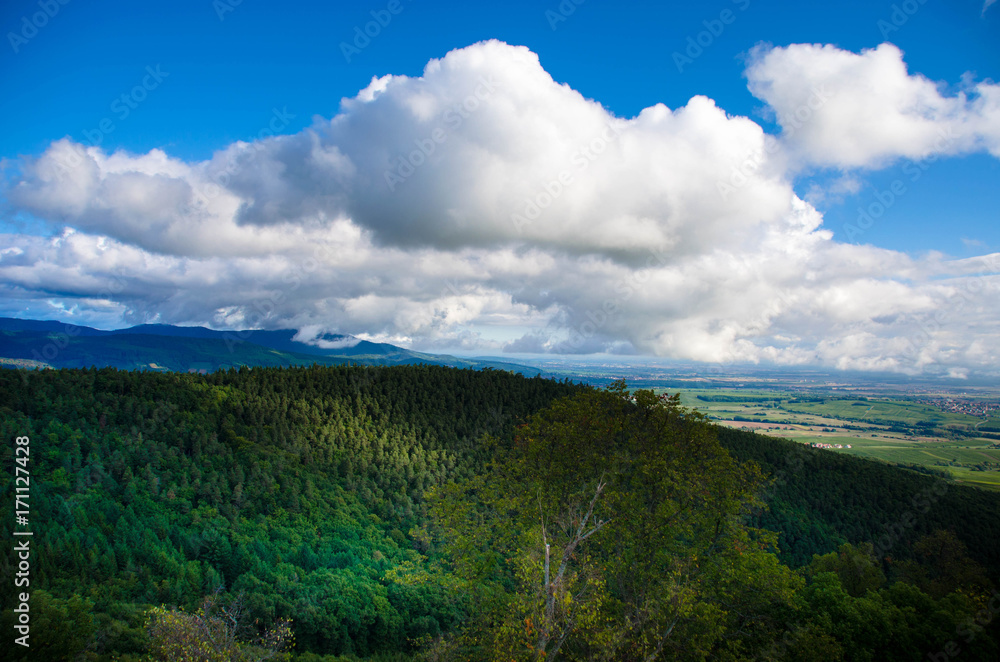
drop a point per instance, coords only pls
(483, 205)
(850, 110)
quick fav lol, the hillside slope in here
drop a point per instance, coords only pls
(182, 349)
(304, 489)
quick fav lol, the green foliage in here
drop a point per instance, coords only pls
(216, 632)
(856, 567)
(60, 629)
(944, 567)
(297, 487)
(612, 529)
(898, 623)
(820, 500)
(306, 491)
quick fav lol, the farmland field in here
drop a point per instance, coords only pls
(899, 431)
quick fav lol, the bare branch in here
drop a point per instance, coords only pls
(554, 586)
(663, 640)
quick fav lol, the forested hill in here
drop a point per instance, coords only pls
(304, 490)
(297, 486)
(164, 347)
(821, 499)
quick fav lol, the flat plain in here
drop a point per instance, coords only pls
(941, 433)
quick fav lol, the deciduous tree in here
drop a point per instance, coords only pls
(613, 529)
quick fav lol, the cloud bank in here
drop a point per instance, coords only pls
(485, 206)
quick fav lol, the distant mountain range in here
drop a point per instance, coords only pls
(162, 347)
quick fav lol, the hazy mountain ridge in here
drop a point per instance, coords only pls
(194, 348)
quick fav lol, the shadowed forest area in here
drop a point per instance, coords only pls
(425, 512)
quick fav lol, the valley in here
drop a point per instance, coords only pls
(945, 427)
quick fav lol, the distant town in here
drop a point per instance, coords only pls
(963, 406)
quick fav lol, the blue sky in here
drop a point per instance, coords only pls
(230, 63)
(225, 70)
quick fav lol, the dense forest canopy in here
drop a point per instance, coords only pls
(429, 512)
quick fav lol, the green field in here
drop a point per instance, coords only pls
(896, 431)
(883, 412)
(971, 461)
